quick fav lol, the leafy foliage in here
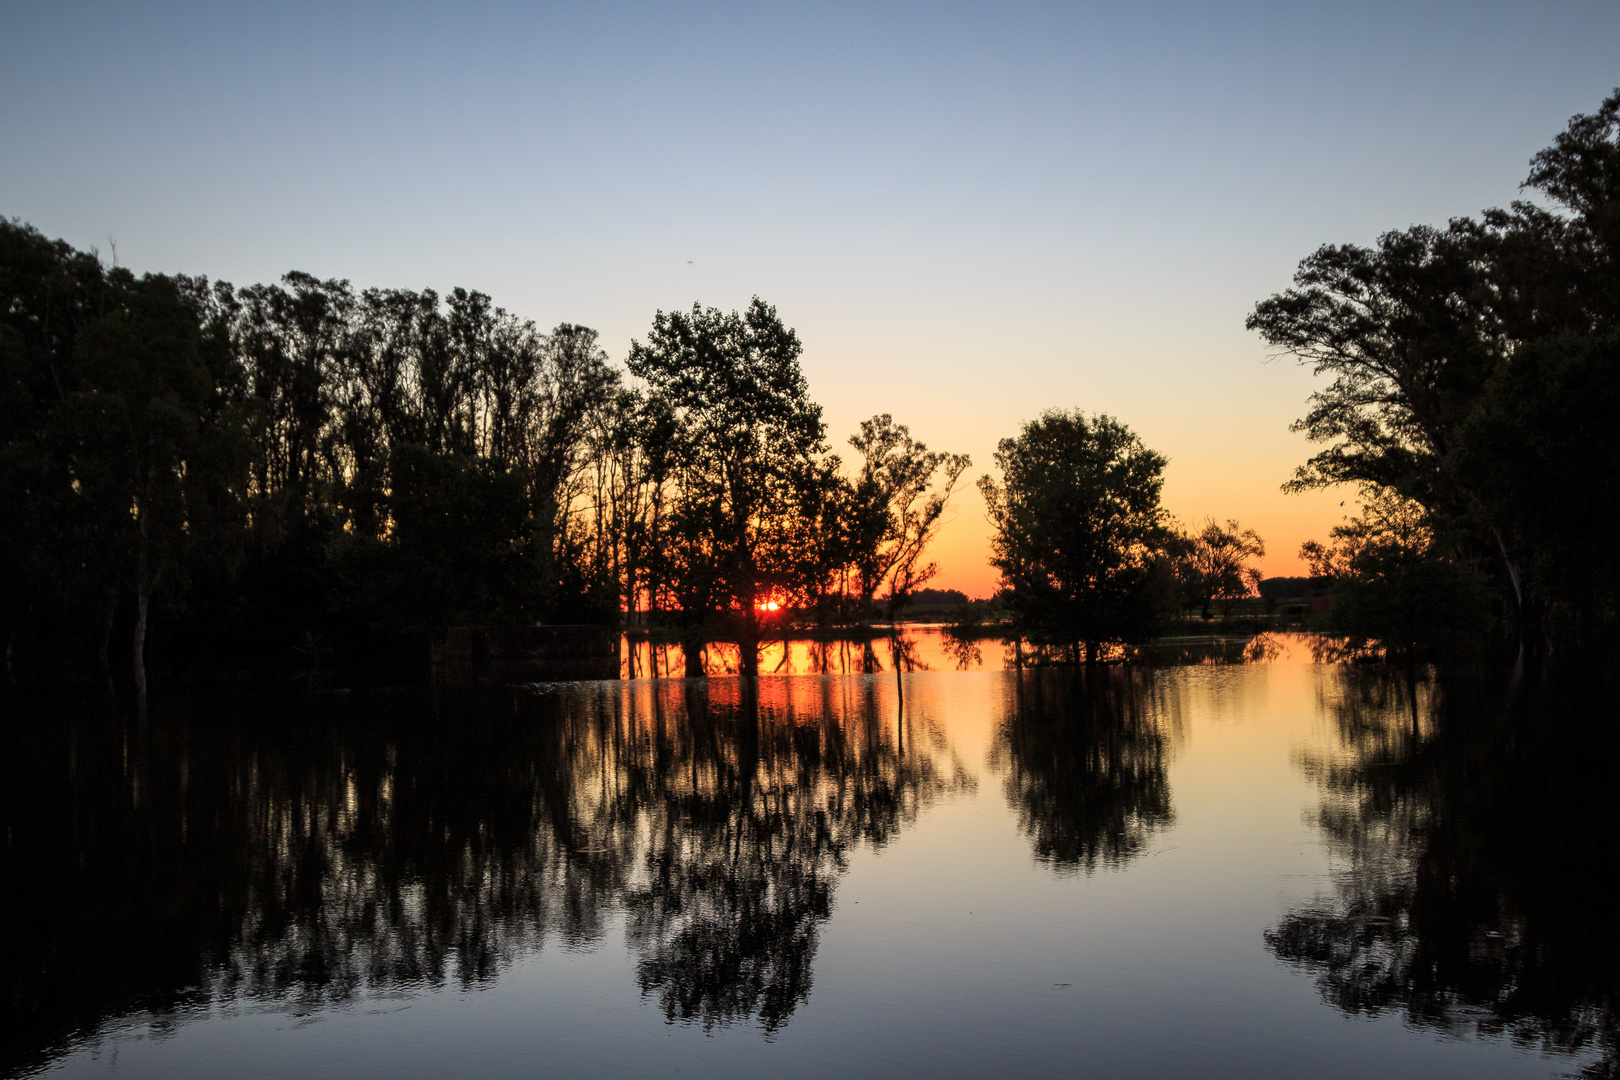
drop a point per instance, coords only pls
(896, 509)
(1451, 353)
(1213, 563)
(745, 438)
(1079, 537)
(1389, 584)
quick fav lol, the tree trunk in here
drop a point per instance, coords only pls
(692, 648)
(1512, 569)
(104, 646)
(748, 642)
(138, 644)
(143, 597)
(1532, 613)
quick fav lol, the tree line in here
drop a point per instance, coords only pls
(306, 473)
(1474, 383)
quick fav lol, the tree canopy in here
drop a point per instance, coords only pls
(1213, 563)
(1078, 535)
(746, 437)
(1468, 368)
(306, 474)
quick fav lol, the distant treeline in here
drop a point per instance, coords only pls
(939, 598)
(1473, 398)
(304, 473)
(1285, 588)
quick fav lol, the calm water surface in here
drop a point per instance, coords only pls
(1275, 868)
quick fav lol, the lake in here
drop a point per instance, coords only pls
(1239, 859)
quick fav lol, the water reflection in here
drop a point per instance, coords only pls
(913, 649)
(1474, 829)
(253, 851)
(308, 856)
(1085, 759)
(753, 809)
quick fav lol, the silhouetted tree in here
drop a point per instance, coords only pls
(896, 509)
(301, 472)
(1416, 331)
(1542, 453)
(124, 453)
(282, 472)
(746, 436)
(1079, 536)
(1389, 585)
(825, 540)
(1213, 563)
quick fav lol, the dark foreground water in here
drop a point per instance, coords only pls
(1280, 868)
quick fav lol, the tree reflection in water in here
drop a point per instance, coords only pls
(755, 810)
(305, 854)
(1474, 827)
(1084, 753)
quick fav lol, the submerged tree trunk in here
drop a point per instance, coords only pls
(105, 646)
(692, 650)
(748, 642)
(1532, 613)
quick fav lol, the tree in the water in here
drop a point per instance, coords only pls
(1079, 536)
(1461, 356)
(897, 508)
(1388, 583)
(746, 440)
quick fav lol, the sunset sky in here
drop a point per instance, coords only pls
(970, 213)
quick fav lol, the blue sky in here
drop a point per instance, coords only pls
(970, 212)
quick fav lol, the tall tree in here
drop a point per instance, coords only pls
(1415, 331)
(746, 437)
(58, 581)
(1079, 535)
(1543, 453)
(897, 508)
